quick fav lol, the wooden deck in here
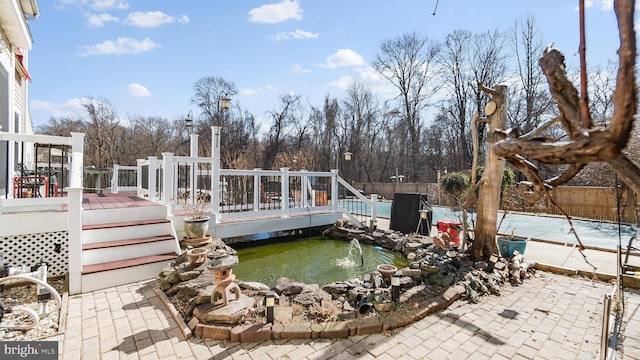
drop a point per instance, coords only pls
(113, 201)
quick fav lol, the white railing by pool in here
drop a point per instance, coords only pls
(177, 181)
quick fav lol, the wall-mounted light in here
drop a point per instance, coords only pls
(270, 302)
(395, 287)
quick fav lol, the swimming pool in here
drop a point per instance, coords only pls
(554, 228)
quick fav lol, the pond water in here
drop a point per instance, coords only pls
(311, 260)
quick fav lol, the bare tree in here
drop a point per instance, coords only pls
(290, 112)
(208, 94)
(407, 63)
(529, 103)
(62, 126)
(585, 142)
(102, 135)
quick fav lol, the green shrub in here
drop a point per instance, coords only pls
(455, 183)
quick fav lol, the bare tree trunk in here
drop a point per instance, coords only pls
(490, 183)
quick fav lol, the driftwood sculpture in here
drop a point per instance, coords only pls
(586, 143)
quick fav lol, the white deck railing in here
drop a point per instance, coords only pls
(73, 200)
(226, 193)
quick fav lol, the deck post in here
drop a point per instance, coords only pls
(193, 149)
(374, 209)
(167, 184)
(257, 191)
(334, 189)
(304, 183)
(193, 174)
(114, 179)
(139, 190)
(74, 194)
(153, 185)
(284, 192)
(215, 188)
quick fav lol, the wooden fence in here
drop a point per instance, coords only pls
(596, 203)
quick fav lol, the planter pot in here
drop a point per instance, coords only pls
(387, 270)
(197, 255)
(196, 228)
(507, 245)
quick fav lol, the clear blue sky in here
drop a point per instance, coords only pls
(145, 56)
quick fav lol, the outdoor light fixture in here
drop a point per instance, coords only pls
(270, 302)
(395, 287)
(347, 157)
(452, 252)
(225, 102)
(423, 214)
(188, 121)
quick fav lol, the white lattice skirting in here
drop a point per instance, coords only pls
(31, 249)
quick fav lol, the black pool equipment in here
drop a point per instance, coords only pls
(406, 210)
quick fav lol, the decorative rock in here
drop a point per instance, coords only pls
(336, 288)
(282, 314)
(254, 286)
(188, 275)
(232, 313)
(412, 273)
(287, 286)
(224, 262)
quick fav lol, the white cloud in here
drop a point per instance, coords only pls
(298, 69)
(256, 91)
(119, 47)
(605, 5)
(276, 13)
(138, 90)
(152, 19)
(370, 79)
(343, 57)
(60, 4)
(248, 92)
(295, 35)
(110, 4)
(98, 20)
(70, 109)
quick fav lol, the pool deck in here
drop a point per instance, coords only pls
(549, 316)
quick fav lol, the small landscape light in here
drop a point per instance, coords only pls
(270, 302)
(374, 224)
(395, 287)
(452, 252)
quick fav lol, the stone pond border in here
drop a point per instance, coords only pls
(331, 330)
(341, 329)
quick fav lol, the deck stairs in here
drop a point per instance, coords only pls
(125, 245)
